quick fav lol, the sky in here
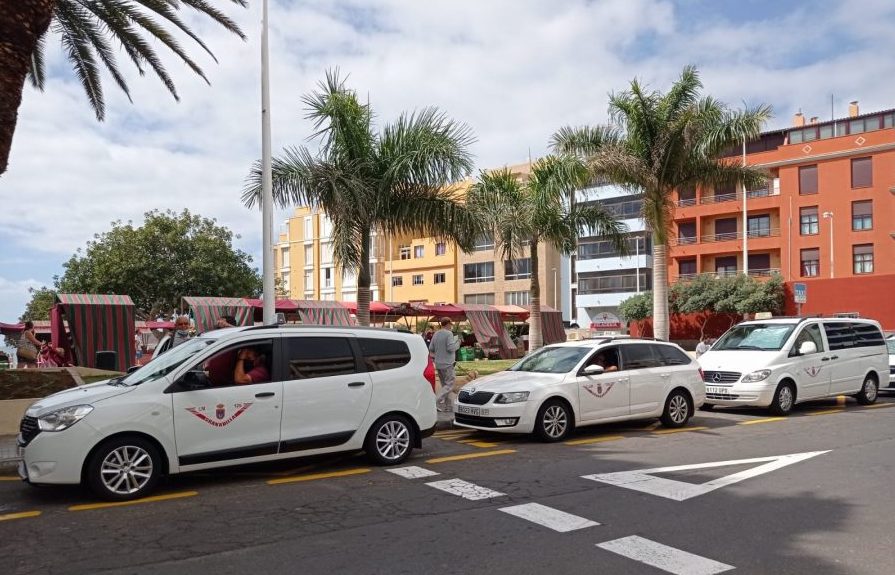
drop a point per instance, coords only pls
(514, 71)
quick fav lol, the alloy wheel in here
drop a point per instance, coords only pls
(126, 470)
(678, 409)
(870, 390)
(555, 421)
(392, 440)
(785, 398)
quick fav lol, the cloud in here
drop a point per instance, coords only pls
(14, 296)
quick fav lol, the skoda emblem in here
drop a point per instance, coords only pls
(470, 391)
(717, 377)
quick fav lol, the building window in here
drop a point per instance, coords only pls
(418, 279)
(862, 256)
(517, 297)
(440, 249)
(862, 215)
(612, 282)
(326, 253)
(483, 242)
(759, 226)
(479, 298)
(309, 229)
(404, 252)
(808, 179)
(285, 254)
(861, 173)
(517, 269)
(725, 229)
(309, 255)
(309, 280)
(808, 222)
(759, 264)
(397, 281)
(726, 266)
(419, 251)
(686, 195)
(349, 279)
(327, 227)
(589, 249)
(327, 277)
(810, 261)
(686, 267)
(285, 279)
(686, 233)
(479, 272)
(438, 278)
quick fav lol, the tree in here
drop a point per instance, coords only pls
(394, 181)
(740, 294)
(88, 29)
(171, 255)
(657, 143)
(38, 308)
(525, 213)
(637, 308)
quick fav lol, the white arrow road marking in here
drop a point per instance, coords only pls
(465, 489)
(642, 480)
(412, 472)
(664, 557)
(549, 517)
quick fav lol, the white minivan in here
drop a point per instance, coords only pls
(779, 362)
(232, 396)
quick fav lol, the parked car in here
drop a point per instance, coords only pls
(325, 389)
(777, 363)
(578, 383)
(890, 344)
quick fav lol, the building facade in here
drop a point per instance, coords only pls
(421, 270)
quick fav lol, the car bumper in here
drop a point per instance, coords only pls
(56, 457)
(509, 418)
(741, 395)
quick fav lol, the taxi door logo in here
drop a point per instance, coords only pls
(598, 390)
(220, 413)
(813, 370)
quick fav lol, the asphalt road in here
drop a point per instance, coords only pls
(511, 505)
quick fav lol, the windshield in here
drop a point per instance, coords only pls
(167, 362)
(890, 343)
(552, 359)
(755, 336)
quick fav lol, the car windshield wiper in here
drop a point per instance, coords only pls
(116, 380)
(751, 347)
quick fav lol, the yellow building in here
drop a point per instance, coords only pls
(420, 270)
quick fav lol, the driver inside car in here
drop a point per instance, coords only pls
(251, 367)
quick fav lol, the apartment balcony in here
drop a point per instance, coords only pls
(732, 236)
(756, 273)
(756, 199)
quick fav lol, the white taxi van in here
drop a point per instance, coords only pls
(232, 396)
(779, 362)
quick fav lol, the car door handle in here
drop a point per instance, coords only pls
(265, 394)
(665, 375)
(834, 357)
(356, 384)
(825, 359)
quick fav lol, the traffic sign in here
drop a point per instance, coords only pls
(800, 291)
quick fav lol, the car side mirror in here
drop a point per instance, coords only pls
(195, 379)
(133, 368)
(807, 348)
(593, 370)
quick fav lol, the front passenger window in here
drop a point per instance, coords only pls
(309, 357)
(242, 364)
(809, 333)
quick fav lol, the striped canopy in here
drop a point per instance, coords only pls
(97, 322)
(322, 312)
(551, 325)
(207, 310)
(488, 327)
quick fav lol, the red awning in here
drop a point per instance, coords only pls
(443, 310)
(207, 311)
(283, 305)
(513, 312)
(376, 307)
(11, 328)
(552, 329)
(96, 322)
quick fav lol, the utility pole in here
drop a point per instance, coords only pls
(269, 297)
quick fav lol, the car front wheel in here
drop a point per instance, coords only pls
(390, 440)
(554, 422)
(677, 409)
(124, 468)
(784, 399)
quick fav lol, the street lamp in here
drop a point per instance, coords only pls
(829, 216)
(269, 296)
(554, 288)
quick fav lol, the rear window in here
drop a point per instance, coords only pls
(383, 354)
(867, 335)
(839, 335)
(309, 357)
(671, 355)
(638, 356)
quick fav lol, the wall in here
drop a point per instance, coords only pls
(871, 296)
(686, 327)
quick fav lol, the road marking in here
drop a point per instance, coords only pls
(449, 435)
(10, 478)
(879, 405)
(664, 557)
(651, 427)
(643, 480)
(827, 411)
(549, 517)
(20, 515)
(679, 430)
(412, 472)
(481, 444)
(315, 476)
(465, 489)
(153, 499)
(594, 440)
(765, 420)
(470, 456)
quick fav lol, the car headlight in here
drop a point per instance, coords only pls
(759, 375)
(512, 397)
(63, 418)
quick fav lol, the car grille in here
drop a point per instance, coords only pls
(721, 396)
(477, 398)
(474, 420)
(892, 369)
(29, 429)
(721, 376)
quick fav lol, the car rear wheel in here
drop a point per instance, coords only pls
(554, 422)
(124, 468)
(677, 409)
(869, 391)
(390, 440)
(784, 399)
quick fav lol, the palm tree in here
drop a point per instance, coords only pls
(88, 29)
(524, 213)
(657, 143)
(394, 181)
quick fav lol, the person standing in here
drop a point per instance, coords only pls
(443, 348)
(28, 347)
(181, 331)
(702, 347)
(138, 345)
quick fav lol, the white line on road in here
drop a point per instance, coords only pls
(412, 472)
(663, 557)
(549, 517)
(465, 489)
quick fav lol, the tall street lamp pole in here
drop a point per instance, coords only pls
(745, 220)
(269, 296)
(829, 216)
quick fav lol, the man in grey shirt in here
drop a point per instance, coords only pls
(443, 347)
(181, 331)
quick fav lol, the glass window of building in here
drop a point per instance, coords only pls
(726, 265)
(327, 277)
(808, 179)
(438, 278)
(440, 249)
(419, 251)
(517, 297)
(285, 254)
(725, 229)
(517, 269)
(404, 252)
(479, 298)
(808, 221)
(417, 279)
(686, 267)
(759, 264)
(862, 215)
(309, 280)
(862, 256)
(483, 242)
(478, 272)
(861, 173)
(309, 228)
(686, 233)
(397, 281)
(284, 276)
(759, 226)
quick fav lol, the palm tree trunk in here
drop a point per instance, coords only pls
(535, 336)
(364, 281)
(660, 290)
(22, 23)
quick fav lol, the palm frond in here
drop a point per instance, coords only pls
(584, 140)
(37, 73)
(76, 43)
(216, 15)
(341, 122)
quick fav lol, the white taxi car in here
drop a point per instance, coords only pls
(232, 396)
(890, 344)
(561, 386)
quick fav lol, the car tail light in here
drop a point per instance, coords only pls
(701, 375)
(429, 373)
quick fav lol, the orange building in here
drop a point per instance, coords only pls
(828, 211)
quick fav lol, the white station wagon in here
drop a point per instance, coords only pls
(561, 386)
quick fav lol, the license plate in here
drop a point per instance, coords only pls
(469, 410)
(718, 390)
